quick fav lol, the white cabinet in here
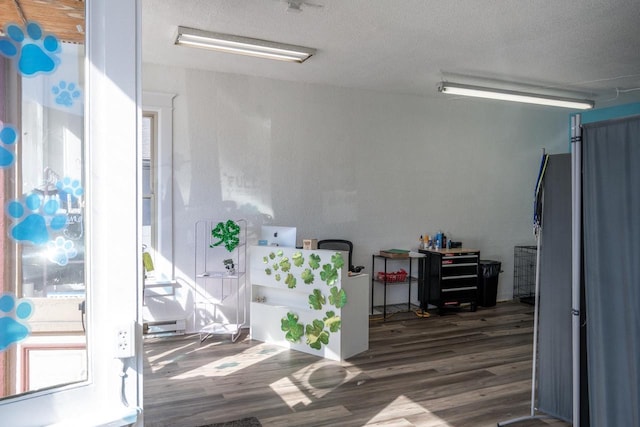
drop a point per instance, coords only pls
(220, 275)
(305, 300)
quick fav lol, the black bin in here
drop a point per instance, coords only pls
(488, 283)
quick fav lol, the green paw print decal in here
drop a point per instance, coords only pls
(228, 234)
(293, 329)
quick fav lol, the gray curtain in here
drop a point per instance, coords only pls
(554, 333)
(611, 211)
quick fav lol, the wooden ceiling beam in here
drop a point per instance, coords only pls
(63, 18)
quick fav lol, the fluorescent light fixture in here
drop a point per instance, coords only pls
(509, 95)
(242, 45)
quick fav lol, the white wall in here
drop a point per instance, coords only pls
(376, 168)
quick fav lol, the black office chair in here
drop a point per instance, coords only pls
(341, 245)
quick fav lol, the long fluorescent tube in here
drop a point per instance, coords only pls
(509, 95)
(242, 45)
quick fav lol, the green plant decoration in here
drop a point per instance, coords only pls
(337, 260)
(314, 261)
(285, 265)
(228, 233)
(307, 276)
(329, 274)
(290, 281)
(293, 329)
(298, 259)
(317, 300)
(333, 322)
(337, 297)
(316, 335)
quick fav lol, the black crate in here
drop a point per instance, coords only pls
(524, 273)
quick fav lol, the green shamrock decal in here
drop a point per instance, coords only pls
(228, 233)
(272, 255)
(333, 322)
(265, 260)
(314, 261)
(337, 297)
(277, 277)
(317, 300)
(276, 266)
(337, 260)
(279, 253)
(316, 335)
(298, 259)
(268, 271)
(293, 329)
(329, 274)
(285, 265)
(307, 276)
(290, 281)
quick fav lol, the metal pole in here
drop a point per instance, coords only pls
(534, 365)
(576, 251)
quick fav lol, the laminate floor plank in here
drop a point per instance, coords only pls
(462, 369)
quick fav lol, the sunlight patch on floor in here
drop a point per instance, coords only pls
(409, 409)
(160, 360)
(324, 376)
(290, 393)
(313, 382)
(231, 364)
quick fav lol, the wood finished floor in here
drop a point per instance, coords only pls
(458, 370)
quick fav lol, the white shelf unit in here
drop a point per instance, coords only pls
(220, 297)
(273, 299)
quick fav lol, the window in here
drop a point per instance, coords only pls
(157, 182)
(149, 220)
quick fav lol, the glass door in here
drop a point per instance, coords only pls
(71, 265)
(43, 288)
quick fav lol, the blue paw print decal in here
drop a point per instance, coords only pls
(66, 94)
(34, 218)
(70, 186)
(8, 137)
(61, 251)
(12, 316)
(36, 52)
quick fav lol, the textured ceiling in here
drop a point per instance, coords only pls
(587, 48)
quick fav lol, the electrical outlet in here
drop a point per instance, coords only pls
(124, 338)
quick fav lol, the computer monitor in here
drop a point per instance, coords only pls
(272, 235)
